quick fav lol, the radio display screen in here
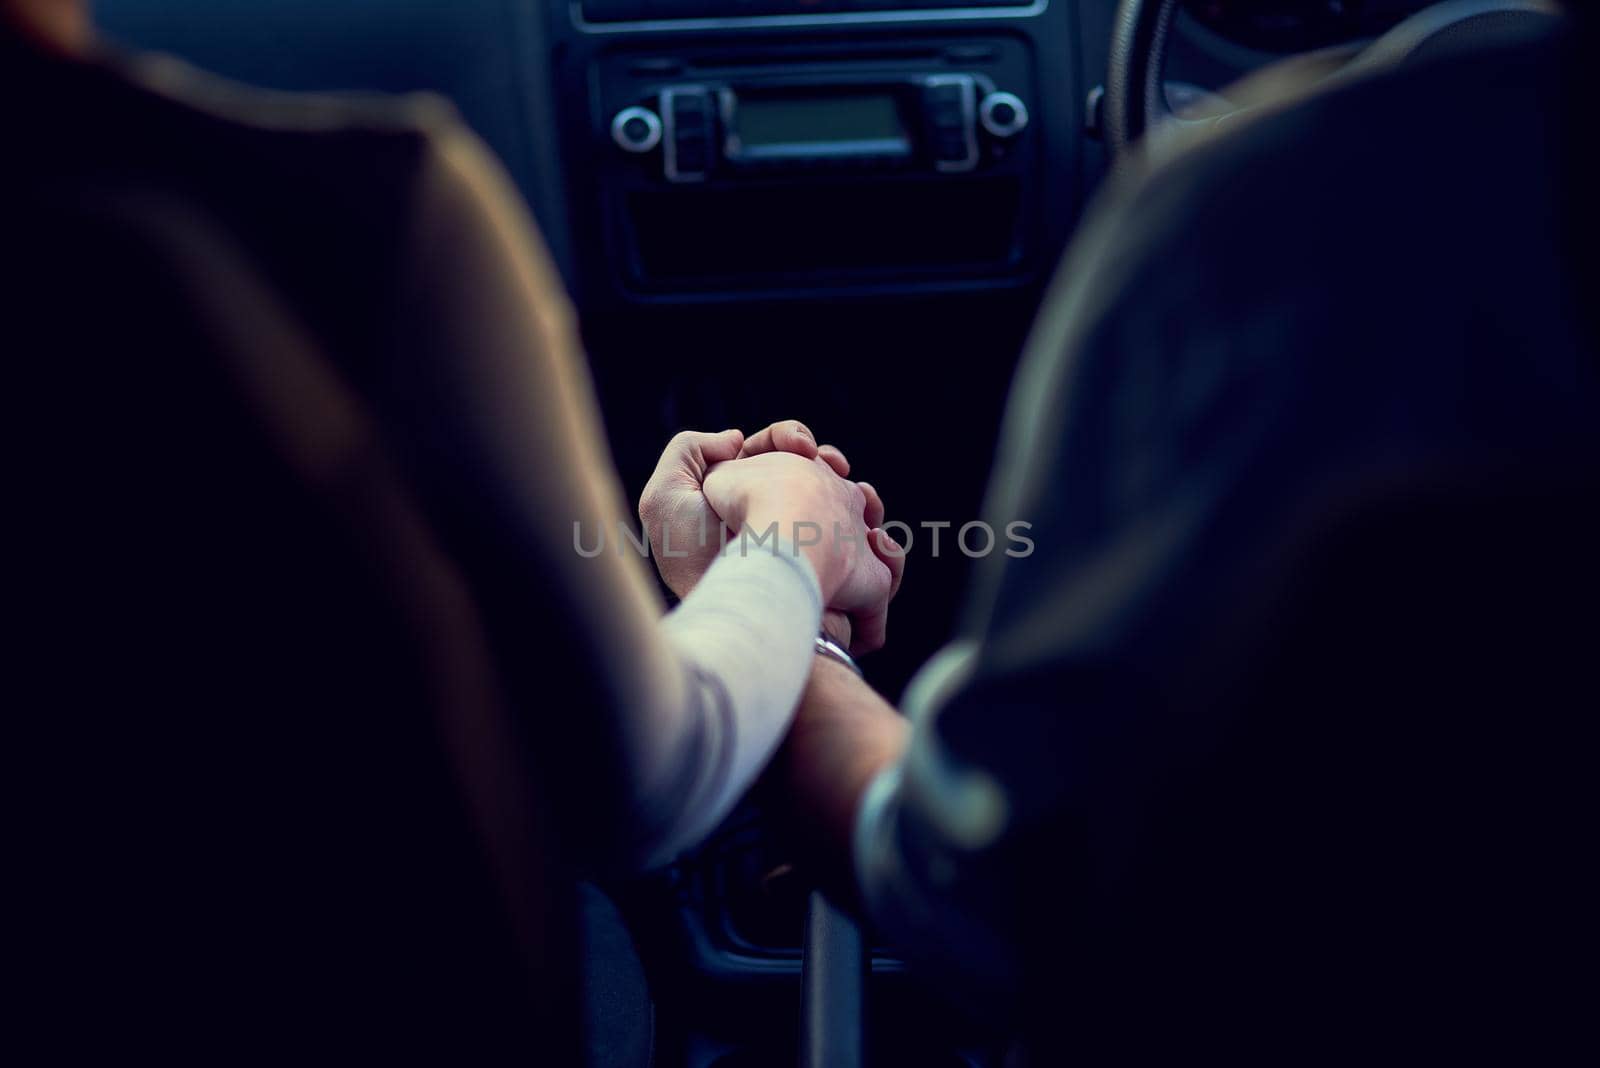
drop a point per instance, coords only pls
(820, 125)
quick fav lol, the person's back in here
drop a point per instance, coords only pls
(258, 693)
(1292, 689)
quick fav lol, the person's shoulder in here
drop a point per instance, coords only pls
(277, 110)
(407, 125)
(1365, 138)
(362, 170)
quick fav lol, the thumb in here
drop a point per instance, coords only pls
(724, 445)
(690, 453)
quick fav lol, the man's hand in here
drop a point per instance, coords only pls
(685, 533)
(872, 626)
(843, 735)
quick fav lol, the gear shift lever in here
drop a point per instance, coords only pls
(833, 969)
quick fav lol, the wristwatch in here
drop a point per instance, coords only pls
(826, 646)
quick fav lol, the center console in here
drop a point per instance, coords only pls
(841, 208)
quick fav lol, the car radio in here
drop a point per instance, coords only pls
(948, 123)
(741, 166)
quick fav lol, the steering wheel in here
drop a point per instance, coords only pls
(1136, 101)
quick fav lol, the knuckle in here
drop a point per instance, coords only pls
(650, 500)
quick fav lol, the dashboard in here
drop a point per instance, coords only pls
(542, 80)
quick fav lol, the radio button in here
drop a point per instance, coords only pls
(688, 119)
(636, 129)
(1003, 114)
(945, 100)
(693, 155)
(949, 102)
(688, 106)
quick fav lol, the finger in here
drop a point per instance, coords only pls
(835, 459)
(837, 626)
(691, 452)
(873, 515)
(788, 435)
(683, 464)
(870, 632)
(723, 446)
(893, 556)
(871, 626)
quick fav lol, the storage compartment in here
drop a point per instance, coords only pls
(827, 231)
(601, 11)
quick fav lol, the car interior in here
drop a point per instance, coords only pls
(764, 208)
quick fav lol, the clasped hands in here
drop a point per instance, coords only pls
(709, 489)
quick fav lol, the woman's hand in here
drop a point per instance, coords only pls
(826, 518)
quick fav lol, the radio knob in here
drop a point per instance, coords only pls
(1003, 114)
(636, 129)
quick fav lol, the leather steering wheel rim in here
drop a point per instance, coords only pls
(1134, 101)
